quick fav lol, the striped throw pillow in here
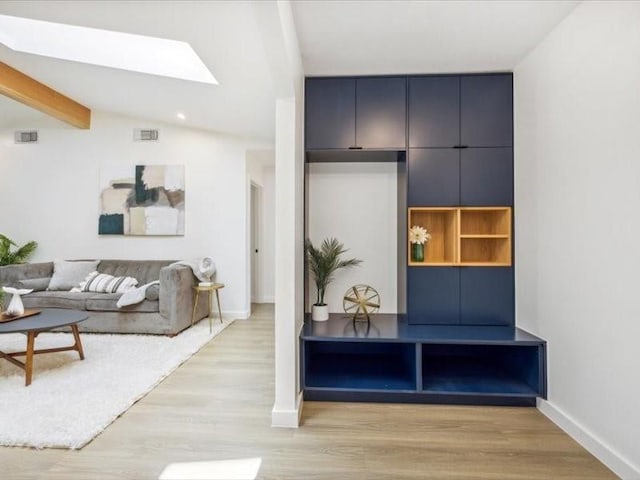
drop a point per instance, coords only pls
(105, 283)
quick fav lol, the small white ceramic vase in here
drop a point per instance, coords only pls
(320, 313)
(16, 307)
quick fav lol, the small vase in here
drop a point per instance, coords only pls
(16, 307)
(320, 313)
(417, 252)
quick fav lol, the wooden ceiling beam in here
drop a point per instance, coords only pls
(24, 89)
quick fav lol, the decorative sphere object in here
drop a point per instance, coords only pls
(360, 301)
(16, 307)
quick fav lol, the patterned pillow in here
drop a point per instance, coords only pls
(105, 283)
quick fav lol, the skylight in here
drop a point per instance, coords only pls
(125, 51)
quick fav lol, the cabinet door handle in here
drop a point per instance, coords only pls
(355, 148)
(461, 146)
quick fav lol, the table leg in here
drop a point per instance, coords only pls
(195, 304)
(78, 344)
(28, 364)
(210, 311)
(218, 300)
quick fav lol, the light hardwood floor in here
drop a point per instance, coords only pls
(217, 406)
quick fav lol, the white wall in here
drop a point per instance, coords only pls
(260, 171)
(268, 280)
(357, 204)
(49, 192)
(577, 99)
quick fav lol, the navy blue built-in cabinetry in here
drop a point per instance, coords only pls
(454, 338)
(461, 111)
(461, 155)
(486, 296)
(388, 360)
(330, 113)
(356, 113)
(486, 176)
(440, 302)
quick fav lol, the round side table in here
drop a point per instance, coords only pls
(211, 289)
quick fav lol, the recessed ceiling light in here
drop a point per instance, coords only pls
(126, 51)
(181, 116)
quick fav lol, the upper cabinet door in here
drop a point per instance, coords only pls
(434, 111)
(486, 110)
(381, 113)
(486, 176)
(434, 177)
(330, 112)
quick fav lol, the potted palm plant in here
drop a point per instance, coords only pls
(323, 262)
(10, 255)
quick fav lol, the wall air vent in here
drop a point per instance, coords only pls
(26, 136)
(145, 135)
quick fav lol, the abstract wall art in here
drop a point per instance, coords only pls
(141, 200)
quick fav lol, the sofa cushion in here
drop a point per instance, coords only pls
(60, 299)
(105, 283)
(107, 302)
(69, 274)
(144, 271)
(35, 284)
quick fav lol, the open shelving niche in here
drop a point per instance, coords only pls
(389, 360)
(464, 236)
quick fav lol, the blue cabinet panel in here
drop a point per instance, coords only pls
(486, 176)
(434, 111)
(330, 113)
(433, 295)
(381, 112)
(434, 177)
(486, 110)
(486, 296)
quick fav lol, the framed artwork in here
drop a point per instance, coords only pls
(141, 200)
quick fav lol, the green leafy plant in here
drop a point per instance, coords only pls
(10, 253)
(324, 261)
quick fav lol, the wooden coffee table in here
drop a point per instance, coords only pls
(47, 319)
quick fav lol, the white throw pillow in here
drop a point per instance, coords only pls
(68, 274)
(105, 283)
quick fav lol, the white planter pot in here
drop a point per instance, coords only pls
(320, 313)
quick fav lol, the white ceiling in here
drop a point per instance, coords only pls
(376, 37)
(224, 34)
(336, 38)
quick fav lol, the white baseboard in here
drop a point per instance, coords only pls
(288, 418)
(612, 459)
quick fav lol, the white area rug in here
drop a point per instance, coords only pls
(71, 401)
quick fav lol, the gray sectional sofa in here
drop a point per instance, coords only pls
(167, 311)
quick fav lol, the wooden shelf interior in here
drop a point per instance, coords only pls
(485, 221)
(441, 223)
(471, 236)
(485, 236)
(485, 250)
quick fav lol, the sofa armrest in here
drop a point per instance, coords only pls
(176, 296)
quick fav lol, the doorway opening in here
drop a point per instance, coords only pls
(255, 243)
